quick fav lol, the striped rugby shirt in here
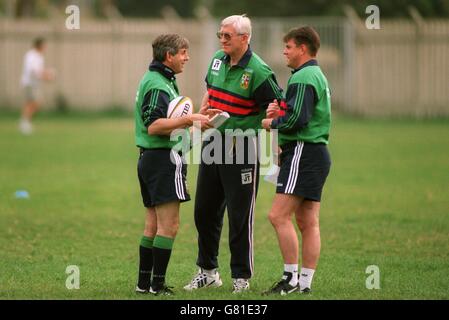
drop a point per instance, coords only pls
(243, 90)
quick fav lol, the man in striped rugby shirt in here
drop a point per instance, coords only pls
(240, 83)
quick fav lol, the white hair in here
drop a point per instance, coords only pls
(241, 24)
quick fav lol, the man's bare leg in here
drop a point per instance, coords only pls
(307, 218)
(284, 205)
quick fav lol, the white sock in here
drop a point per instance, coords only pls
(305, 278)
(293, 269)
(211, 272)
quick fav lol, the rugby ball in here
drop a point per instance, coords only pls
(179, 107)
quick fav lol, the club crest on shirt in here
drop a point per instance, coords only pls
(244, 83)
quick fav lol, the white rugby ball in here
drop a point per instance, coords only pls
(179, 107)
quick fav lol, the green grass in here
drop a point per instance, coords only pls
(386, 203)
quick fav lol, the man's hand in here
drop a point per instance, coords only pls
(273, 110)
(200, 121)
(208, 111)
(266, 124)
(212, 112)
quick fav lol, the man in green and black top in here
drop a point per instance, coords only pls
(240, 83)
(161, 170)
(303, 124)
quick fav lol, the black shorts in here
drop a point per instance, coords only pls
(162, 177)
(304, 169)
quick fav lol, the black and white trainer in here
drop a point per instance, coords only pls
(204, 279)
(282, 287)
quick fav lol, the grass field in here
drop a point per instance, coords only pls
(386, 203)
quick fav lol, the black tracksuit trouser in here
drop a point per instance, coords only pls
(233, 187)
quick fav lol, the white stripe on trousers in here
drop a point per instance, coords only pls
(251, 210)
(178, 177)
(294, 168)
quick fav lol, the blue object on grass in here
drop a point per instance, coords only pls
(22, 194)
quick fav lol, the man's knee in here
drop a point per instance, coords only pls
(302, 226)
(307, 221)
(283, 208)
(174, 227)
(277, 218)
(168, 226)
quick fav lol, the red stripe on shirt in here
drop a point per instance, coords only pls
(225, 107)
(230, 98)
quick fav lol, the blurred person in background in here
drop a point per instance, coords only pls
(34, 72)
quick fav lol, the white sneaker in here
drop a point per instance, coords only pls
(204, 280)
(240, 285)
(25, 127)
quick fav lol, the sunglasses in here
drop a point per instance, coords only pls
(227, 36)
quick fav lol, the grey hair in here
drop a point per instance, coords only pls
(170, 43)
(241, 24)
